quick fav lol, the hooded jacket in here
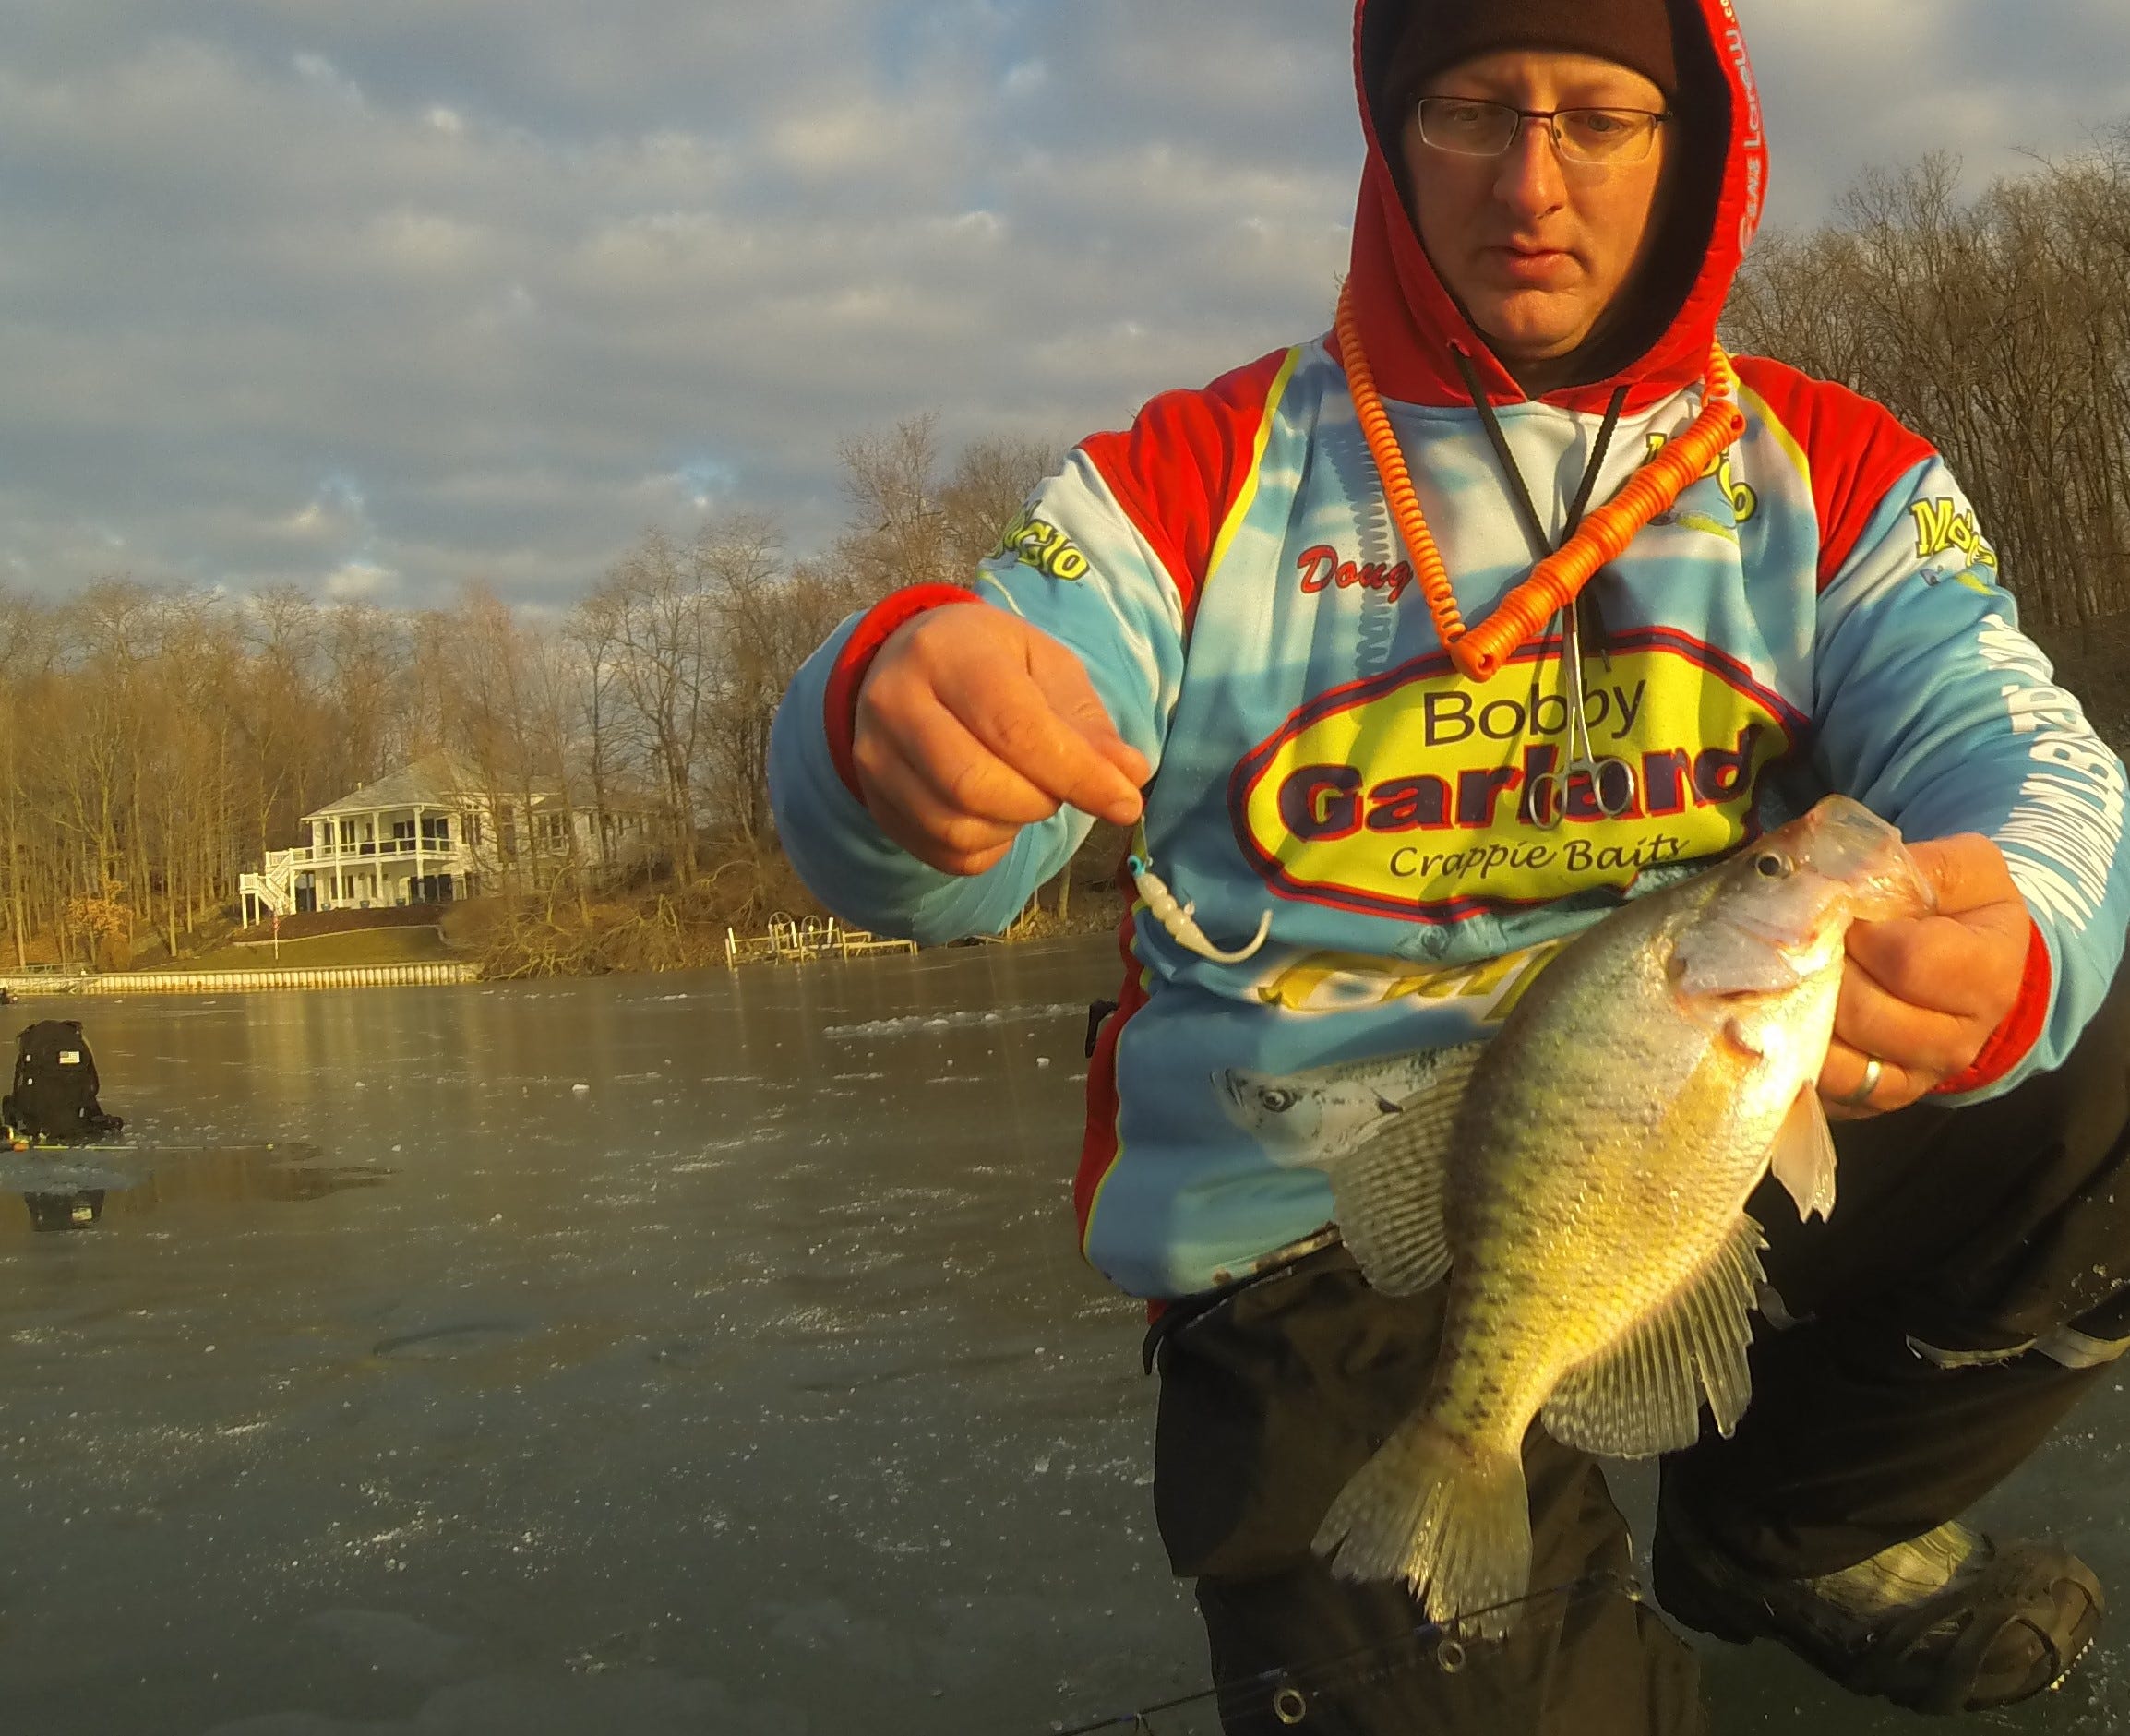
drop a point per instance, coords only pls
(1821, 611)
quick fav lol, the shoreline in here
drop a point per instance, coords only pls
(53, 985)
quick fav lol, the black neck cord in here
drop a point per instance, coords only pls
(1519, 491)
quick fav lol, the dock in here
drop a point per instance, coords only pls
(789, 941)
(37, 982)
(810, 938)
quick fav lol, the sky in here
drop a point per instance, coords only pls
(378, 297)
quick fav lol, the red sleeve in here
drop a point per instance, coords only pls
(1180, 467)
(1857, 450)
(840, 705)
(2014, 1039)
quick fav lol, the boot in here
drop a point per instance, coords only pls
(1951, 1622)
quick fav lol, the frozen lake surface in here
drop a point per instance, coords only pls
(643, 1356)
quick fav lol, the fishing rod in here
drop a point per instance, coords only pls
(1290, 1700)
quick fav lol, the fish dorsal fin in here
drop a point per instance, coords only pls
(1390, 1193)
(1802, 1158)
(1643, 1396)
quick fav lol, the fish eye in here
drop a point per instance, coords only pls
(1278, 1100)
(1774, 866)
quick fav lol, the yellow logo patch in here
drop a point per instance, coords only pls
(1346, 982)
(1043, 547)
(1945, 526)
(1420, 793)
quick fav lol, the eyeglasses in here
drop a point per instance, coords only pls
(1471, 129)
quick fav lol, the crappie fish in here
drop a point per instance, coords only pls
(1582, 1180)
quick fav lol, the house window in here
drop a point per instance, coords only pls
(347, 834)
(472, 830)
(436, 831)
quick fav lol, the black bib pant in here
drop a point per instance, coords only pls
(1971, 1286)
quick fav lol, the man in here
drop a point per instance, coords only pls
(1429, 779)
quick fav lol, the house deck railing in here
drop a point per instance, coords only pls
(310, 855)
(275, 885)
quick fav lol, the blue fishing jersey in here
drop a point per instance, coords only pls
(1822, 611)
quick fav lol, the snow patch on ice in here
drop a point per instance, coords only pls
(921, 1023)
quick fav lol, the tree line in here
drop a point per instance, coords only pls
(155, 743)
(1997, 327)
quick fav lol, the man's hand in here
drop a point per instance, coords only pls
(972, 724)
(1924, 994)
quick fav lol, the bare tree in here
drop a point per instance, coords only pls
(200, 729)
(593, 631)
(898, 531)
(991, 483)
(1998, 329)
(909, 526)
(654, 600)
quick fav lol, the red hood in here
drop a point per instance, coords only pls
(1408, 321)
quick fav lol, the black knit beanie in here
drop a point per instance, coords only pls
(1439, 34)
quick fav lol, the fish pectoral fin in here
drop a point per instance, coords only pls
(1802, 1158)
(1390, 1193)
(1435, 1100)
(1388, 1196)
(1643, 1396)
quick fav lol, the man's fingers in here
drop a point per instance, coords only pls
(1065, 683)
(1874, 1021)
(1966, 873)
(932, 752)
(1016, 721)
(1127, 759)
(1922, 995)
(906, 807)
(1957, 964)
(972, 724)
(903, 791)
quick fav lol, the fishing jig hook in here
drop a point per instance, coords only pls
(1177, 918)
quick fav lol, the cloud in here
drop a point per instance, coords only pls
(1856, 83)
(540, 273)
(359, 581)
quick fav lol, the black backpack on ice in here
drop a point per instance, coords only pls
(55, 1086)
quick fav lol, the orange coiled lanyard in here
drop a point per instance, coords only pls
(1480, 652)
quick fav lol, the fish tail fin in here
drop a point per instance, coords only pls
(1452, 1520)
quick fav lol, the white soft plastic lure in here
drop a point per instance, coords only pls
(1177, 918)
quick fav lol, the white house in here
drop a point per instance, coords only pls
(431, 833)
